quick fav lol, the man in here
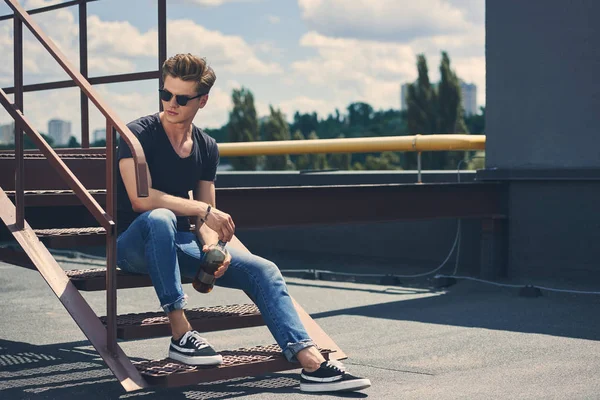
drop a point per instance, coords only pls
(155, 237)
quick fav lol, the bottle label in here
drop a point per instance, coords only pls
(206, 278)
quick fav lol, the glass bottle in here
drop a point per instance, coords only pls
(204, 280)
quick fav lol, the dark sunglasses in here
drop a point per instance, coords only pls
(182, 100)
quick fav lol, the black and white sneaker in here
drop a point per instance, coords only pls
(331, 377)
(192, 349)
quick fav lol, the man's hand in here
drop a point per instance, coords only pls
(219, 272)
(222, 223)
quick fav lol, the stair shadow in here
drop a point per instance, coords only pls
(471, 305)
(74, 370)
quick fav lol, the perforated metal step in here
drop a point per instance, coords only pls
(90, 280)
(71, 237)
(253, 361)
(204, 319)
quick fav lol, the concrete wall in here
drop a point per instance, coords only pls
(543, 133)
(543, 91)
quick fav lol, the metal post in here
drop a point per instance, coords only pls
(19, 157)
(162, 41)
(111, 243)
(83, 68)
(419, 168)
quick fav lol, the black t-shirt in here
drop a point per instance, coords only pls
(170, 173)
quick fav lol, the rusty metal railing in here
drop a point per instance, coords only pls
(106, 218)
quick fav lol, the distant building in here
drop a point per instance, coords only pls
(59, 131)
(468, 97)
(99, 134)
(7, 133)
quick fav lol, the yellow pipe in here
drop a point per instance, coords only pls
(355, 145)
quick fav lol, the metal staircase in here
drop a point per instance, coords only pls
(65, 213)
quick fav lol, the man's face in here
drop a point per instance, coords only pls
(175, 113)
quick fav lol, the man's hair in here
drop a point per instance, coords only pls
(188, 67)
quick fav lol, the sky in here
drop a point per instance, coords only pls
(296, 55)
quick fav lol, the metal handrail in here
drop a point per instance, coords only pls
(113, 124)
(86, 87)
(418, 143)
(53, 158)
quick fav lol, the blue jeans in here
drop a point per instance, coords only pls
(152, 245)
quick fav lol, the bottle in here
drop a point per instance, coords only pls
(204, 280)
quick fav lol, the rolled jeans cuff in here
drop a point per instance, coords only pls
(294, 348)
(178, 304)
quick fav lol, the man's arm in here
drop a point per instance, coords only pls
(220, 222)
(205, 193)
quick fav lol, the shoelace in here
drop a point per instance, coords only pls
(335, 364)
(194, 337)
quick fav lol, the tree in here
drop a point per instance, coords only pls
(243, 126)
(305, 123)
(432, 110)
(360, 115)
(450, 113)
(310, 161)
(341, 161)
(73, 142)
(476, 122)
(302, 161)
(387, 161)
(421, 101)
(421, 115)
(276, 128)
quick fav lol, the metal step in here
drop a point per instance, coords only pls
(60, 238)
(204, 319)
(254, 361)
(57, 197)
(91, 280)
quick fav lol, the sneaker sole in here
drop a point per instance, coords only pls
(345, 386)
(207, 360)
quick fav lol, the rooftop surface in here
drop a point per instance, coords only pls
(469, 341)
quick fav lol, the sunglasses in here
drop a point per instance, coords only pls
(182, 100)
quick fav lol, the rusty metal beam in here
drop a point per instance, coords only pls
(287, 206)
(111, 240)
(83, 68)
(20, 167)
(99, 80)
(48, 8)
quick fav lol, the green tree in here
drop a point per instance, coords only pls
(450, 113)
(388, 160)
(476, 122)
(73, 142)
(277, 128)
(341, 161)
(421, 101)
(310, 161)
(421, 114)
(360, 115)
(302, 161)
(243, 126)
(305, 123)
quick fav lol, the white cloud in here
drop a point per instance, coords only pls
(273, 19)
(107, 37)
(390, 20)
(227, 52)
(368, 48)
(354, 70)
